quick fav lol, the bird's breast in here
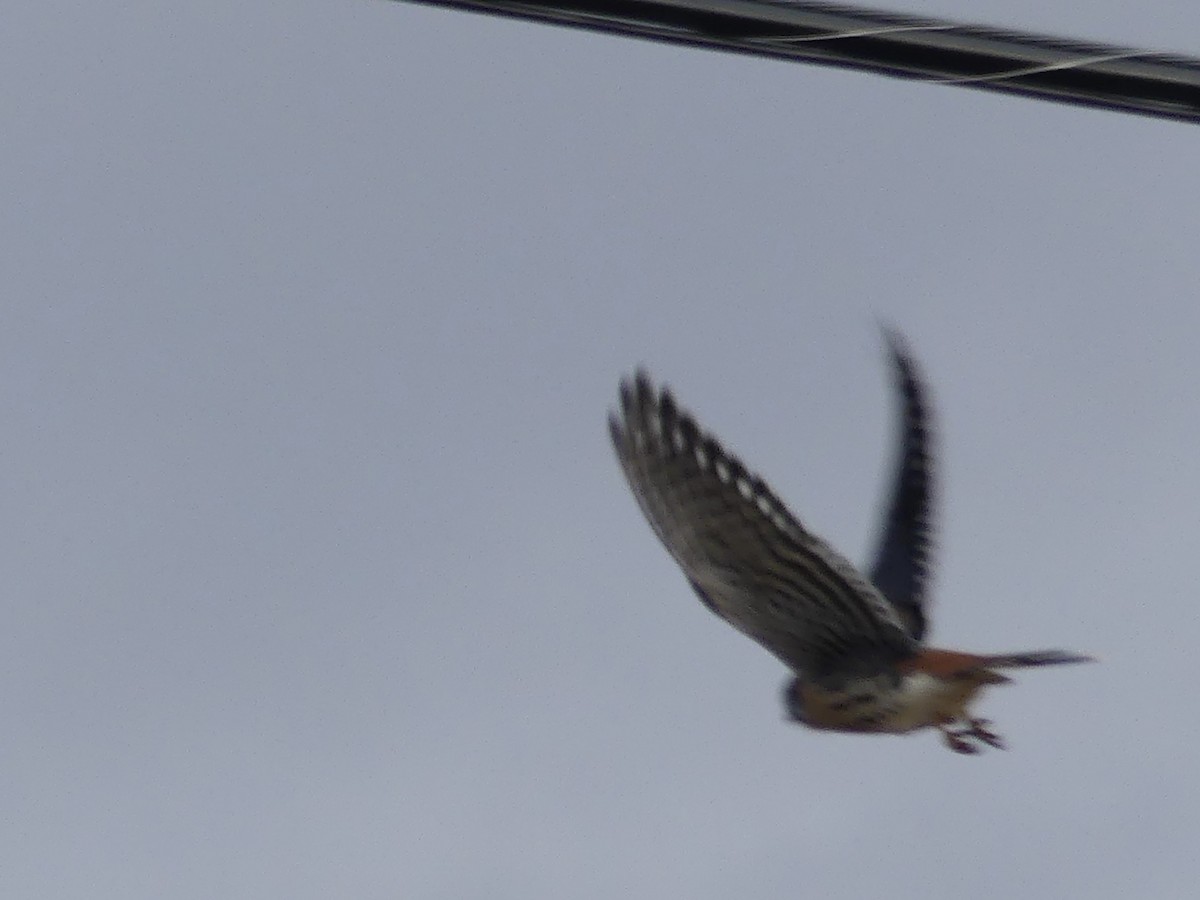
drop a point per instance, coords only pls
(888, 705)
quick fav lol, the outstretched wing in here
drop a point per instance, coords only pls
(904, 555)
(747, 557)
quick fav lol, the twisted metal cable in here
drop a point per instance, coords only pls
(1031, 65)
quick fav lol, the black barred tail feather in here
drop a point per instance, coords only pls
(1035, 658)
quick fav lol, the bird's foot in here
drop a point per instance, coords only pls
(969, 738)
(957, 741)
(980, 730)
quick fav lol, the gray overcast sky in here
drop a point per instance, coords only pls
(321, 580)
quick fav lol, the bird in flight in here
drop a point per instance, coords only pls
(854, 642)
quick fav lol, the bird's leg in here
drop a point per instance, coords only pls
(980, 728)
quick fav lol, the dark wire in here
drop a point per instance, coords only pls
(1030, 65)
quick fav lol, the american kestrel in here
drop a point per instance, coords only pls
(853, 642)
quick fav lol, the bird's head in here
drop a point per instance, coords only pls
(793, 700)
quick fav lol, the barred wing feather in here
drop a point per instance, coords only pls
(746, 556)
(904, 555)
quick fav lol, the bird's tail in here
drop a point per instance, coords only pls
(983, 669)
(1033, 658)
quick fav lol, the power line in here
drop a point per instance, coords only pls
(1030, 65)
